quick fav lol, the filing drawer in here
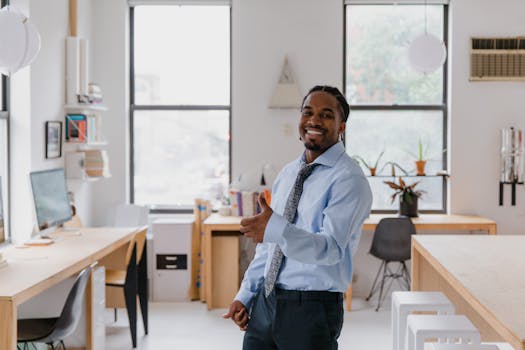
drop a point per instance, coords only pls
(172, 261)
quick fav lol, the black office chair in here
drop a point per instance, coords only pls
(131, 282)
(52, 331)
(391, 243)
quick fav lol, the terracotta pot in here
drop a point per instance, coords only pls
(408, 207)
(420, 167)
(372, 171)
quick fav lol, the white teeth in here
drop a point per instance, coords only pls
(315, 132)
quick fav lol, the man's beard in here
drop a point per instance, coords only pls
(312, 146)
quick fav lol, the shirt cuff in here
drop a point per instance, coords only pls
(245, 297)
(275, 229)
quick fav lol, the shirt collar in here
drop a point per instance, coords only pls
(328, 157)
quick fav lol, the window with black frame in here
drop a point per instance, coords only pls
(4, 155)
(180, 104)
(399, 115)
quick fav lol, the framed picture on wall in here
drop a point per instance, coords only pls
(53, 139)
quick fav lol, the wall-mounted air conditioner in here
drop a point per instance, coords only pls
(497, 59)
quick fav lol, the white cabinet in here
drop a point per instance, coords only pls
(172, 258)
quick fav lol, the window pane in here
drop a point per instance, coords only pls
(398, 134)
(3, 179)
(182, 55)
(378, 71)
(432, 199)
(180, 156)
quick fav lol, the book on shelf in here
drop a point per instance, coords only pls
(234, 204)
(76, 128)
(244, 203)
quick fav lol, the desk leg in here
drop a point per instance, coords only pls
(8, 333)
(207, 266)
(415, 264)
(492, 230)
(348, 296)
(89, 313)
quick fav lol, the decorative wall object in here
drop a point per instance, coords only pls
(286, 94)
(53, 139)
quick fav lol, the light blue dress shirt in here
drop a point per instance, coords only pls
(319, 246)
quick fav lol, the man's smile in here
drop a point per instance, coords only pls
(314, 131)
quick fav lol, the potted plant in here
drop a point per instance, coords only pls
(371, 168)
(393, 166)
(420, 159)
(408, 197)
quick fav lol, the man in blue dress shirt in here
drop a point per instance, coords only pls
(291, 296)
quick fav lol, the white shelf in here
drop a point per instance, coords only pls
(88, 178)
(86, 107)
(86, 145)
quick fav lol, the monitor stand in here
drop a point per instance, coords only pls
(68, 229)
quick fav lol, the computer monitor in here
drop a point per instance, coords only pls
(50, 197)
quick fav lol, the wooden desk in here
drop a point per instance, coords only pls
(216, 224)
(221, 260)
(32, 270)
(481, 275)
(441, 222)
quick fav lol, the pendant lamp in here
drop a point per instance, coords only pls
(19, 40)
(427, 52)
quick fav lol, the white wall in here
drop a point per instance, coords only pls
(479, 110)
(310, 33)
(20, 145)
(37, 96)
(111, 72)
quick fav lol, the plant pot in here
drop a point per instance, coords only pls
(420, 167)
(372, 171)
(408, 207)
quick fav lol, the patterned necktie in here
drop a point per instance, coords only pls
(290, 212)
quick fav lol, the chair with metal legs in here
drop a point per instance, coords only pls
(52, 331)
(391, 244)
(126, 279)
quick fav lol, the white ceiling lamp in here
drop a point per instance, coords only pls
(427, 52)
(286, 93)
(19, 40)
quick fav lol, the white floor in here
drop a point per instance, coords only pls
(191, 326)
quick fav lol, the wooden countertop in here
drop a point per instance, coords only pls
(33, 269)
(488, 271)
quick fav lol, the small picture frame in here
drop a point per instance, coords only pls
(53, 139)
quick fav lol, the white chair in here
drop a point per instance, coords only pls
(403, 303)
(452, 328)
(131, 215)
(482, 346)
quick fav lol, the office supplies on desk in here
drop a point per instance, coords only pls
(39, 242)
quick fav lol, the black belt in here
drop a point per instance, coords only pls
(308, 295)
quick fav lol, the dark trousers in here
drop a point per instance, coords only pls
(290, 320)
